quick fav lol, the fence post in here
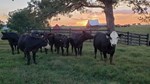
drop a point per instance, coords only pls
(69, 32)
(131, 39)
(128, 40)
(139, 39)
(148, 40)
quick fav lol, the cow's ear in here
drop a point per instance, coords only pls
(120, 35)
(107, 35)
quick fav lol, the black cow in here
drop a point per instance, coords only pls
(51, 40)
(12, 39)
(106, 44)
(28, 43)
(40, 35)
(61, 41)
(77, 39)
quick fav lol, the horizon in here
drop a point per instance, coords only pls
(123, 14)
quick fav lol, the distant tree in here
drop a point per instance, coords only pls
(1, 24)
(22, 20)
(46, 9)
(145, 18)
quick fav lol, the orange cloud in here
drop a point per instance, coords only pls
(81, 19)
(126, 18)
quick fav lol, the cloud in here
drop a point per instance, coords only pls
(79, 18)
(123, 12)
(3, 17)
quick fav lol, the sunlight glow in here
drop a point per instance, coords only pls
(82, 23)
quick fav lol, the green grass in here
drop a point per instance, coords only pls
(132, 67)
(141, 29)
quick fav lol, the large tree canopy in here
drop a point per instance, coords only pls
(46, 9)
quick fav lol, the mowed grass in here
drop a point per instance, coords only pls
(132, 67)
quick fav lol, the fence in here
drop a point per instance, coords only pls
(134, 39)
(127, 37)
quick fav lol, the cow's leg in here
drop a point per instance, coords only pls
(41, 50)
(67, 48)
(78, 51)
(34, 56)
(62, 50)
(72, 47)
(81, 50)
(28, 57)
(46, 50)
(18, 50)
(15, 47)
(111, 58)
(95, 51)
(72, 44)
(75, 49)
(12, 49)
(57, 49)
(25, 55)
(105, 57)
(52, 48)
(67, 51)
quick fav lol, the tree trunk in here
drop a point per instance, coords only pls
(108, 10)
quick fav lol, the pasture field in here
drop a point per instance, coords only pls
(132, 67)
(140, 29)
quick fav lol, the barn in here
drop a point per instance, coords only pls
(94, 24)
(56, 27)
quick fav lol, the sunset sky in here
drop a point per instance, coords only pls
(123, 14)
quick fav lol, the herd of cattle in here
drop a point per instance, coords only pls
(32, 42)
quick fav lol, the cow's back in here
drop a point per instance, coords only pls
(101, 42)
(75, 37)
(32, 42)
(21, 42)
(29, 42)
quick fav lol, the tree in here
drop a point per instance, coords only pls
(1, 24)
(145, 18)
(49, 8)
(22, 20)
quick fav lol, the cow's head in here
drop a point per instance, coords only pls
(86, 35)
(5, 36)
(113, 37)
(44, 37)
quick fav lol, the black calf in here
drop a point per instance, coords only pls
(29, 44)
(61, 41)
(77, 40)
(12, 39)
